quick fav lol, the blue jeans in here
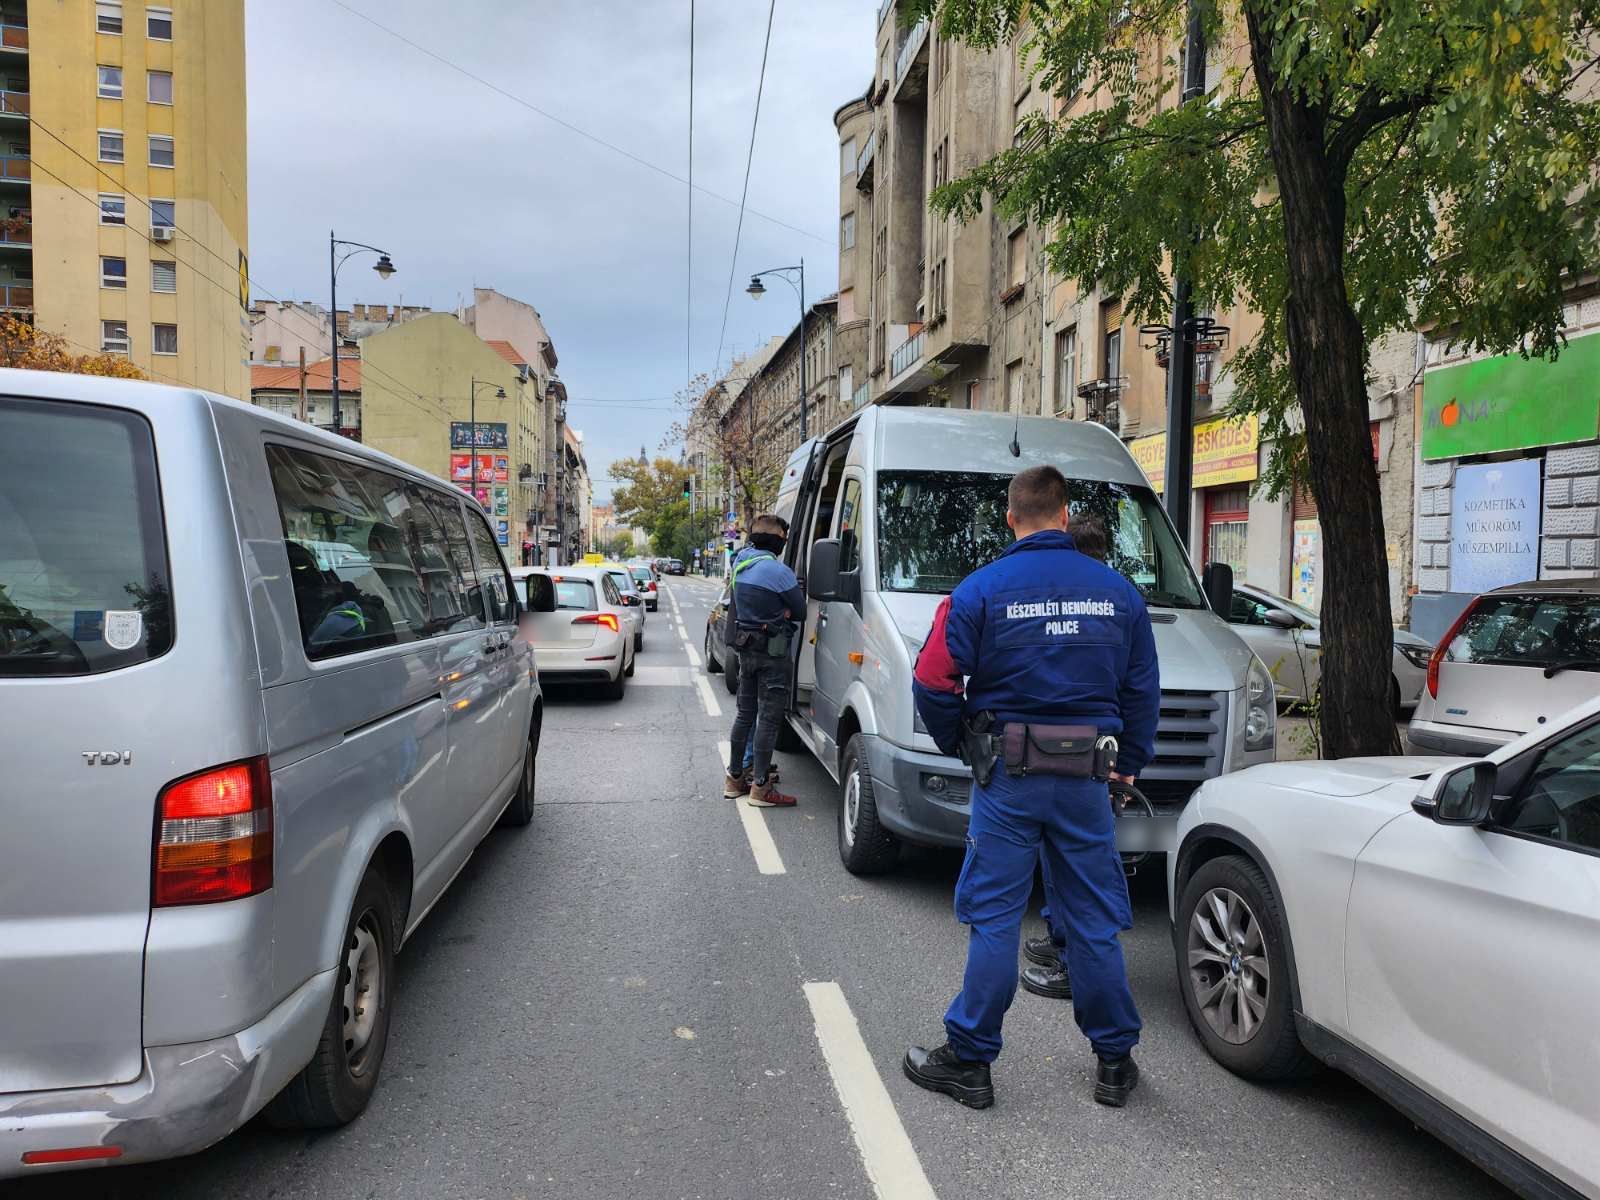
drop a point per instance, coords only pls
(1069, 822)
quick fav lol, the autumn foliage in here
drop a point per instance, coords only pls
(31, 349)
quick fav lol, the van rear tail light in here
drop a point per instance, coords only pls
(609, 620)
(214, 835)
(1444, 645)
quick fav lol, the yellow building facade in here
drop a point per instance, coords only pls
(124, 159)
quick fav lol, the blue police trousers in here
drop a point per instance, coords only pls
(1071, 823)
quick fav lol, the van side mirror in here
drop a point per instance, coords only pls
(1217, 583)
(1282, 619)
(1461, 796)
(822, 572)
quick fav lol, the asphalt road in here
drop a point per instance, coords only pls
(615, 1002)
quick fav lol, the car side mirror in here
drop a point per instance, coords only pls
(632, 601)
(1217, 583)
(1460, 796)
(822, 573)
(1283, 620)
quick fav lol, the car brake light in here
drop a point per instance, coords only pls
(609, 620)
(1437, 658)
(214, 835)
(39, 1158)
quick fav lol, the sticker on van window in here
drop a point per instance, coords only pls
(123, 628)
(87, 625)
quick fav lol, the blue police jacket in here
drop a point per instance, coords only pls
(765, 593)
(1044, 634)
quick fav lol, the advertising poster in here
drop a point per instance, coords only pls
(1494, 525)
(502, 469)
(502, 532)
(491, 435)
(502, 502)
(1305, 572)
(481, 495)
(461, 468)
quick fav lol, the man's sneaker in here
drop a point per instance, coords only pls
(939, 1070)
(1042, 950)
(1053, 982)
(734, 786)
(766, 795)
(1116, 1080)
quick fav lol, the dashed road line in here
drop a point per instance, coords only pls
(707, 696)
(768, 860)
(890, 1159)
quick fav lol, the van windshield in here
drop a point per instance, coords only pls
(936, 527)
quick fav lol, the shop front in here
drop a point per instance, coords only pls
(1227, 460)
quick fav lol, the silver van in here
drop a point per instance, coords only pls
(887, 514)
(261, 694)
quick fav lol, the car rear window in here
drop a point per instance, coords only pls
(642, 575)
(83, 559)
(1534, 631)
(575, 594)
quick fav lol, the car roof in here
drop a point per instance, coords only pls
(1549, 587)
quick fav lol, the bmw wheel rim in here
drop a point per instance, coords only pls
(1229, 975)
(852, 806)
(363, 990)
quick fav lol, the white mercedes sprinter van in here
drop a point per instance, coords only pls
(887, 514)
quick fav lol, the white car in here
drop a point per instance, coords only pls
(633, 607)
(577, 622)
(1429, 926)
(1287, 637)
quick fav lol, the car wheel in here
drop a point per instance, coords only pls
(1233, 968)
(638, 641)
(865, 847)
(713, 667)
(336, 1084)
(617, 687)
(1394, 699)
(632, 663)
(520, 811)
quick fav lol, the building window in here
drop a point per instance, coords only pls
(975, 395)
(113, 272)
(159, 85)
(165, 339)
(163, 277)
(1066, 370)
(161, 151)
(847, 232)
(114, 337)
(1017, 259)
(1111, 340)
(158, 24)
(109, 86)
(108, 17)
(113, 209)
(1014, 386)
(163, 214)
(111, 145)
(847, 157)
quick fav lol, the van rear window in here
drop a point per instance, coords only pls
(83, 559)
(1531, 631)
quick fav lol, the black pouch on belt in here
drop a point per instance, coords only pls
(1049, 750)
(750, 641)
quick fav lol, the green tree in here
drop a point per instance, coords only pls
(1363, 167)
(621, 546)
(651, 497)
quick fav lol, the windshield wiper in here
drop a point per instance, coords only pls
(1571, 664)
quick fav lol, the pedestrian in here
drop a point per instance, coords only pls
(1060, 675)
(1048, 975)
(764, 602)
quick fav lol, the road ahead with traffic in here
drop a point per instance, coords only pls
(652, 991)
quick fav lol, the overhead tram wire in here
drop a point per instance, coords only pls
(744, 193)
(568, 125)
(688, 281)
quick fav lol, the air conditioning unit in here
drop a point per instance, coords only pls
(162, 233)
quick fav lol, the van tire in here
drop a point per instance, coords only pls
(865, 847)
(520, 811)
(332, 1090)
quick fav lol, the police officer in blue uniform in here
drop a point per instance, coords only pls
(1058, 659)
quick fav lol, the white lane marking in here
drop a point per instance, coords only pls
(887, 1154)
(694, 655)
(768, 861)
(708, 697)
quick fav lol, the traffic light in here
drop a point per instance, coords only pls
(688, 487)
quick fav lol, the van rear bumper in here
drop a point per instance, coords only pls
(186, 1098)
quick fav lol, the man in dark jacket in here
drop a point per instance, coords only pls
(1041, 639)
(766, 604)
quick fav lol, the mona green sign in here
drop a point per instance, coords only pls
(1512, 403)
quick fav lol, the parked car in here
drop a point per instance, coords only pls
(674, 566)
(1515, 659)
(644, 579)
(887, 513)
(719, 659)
(1426, 926)
(1288, 638)
(577, 622)
(245, 668)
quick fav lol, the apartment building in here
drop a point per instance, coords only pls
(123, 180)
(935, 312)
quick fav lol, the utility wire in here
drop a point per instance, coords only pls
(568, 125)
(745, 192)
(688, 281)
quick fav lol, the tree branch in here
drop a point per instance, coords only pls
(1370, 112)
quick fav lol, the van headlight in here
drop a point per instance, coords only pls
(1260, 708)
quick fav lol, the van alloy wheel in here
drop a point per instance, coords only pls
(363, 989)
(852, 807)
(1228, 971)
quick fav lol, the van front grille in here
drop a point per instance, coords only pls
(1189, 745)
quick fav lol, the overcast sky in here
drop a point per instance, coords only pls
(352, 129)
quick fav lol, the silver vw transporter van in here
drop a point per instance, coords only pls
(261, 694)
(887, 514)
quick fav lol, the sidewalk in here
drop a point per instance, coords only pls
(1295, 742)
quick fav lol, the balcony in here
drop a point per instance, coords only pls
(906, 355)
(1102, 399)
(13, 38)
(16, 297)
(862, 398)
(864, 162)
(16, 234)
(16, 169)
(884, 10)
(911, 64)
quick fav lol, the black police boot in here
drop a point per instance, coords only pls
(1116, 1080)
(939, 1070)
(1053, 982)
(1042, 950)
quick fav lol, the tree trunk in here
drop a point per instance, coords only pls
(1327, 361)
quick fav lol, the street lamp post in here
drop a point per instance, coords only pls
(756, 290)
(383, 267)
(472, 424)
